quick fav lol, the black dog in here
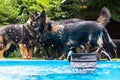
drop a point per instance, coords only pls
(56, 46)
(23, 35)
(78, 34)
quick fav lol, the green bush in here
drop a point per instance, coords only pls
(16, 11)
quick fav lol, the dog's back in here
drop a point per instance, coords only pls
(67, 21)
(12, 33)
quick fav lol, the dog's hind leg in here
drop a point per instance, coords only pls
(1, 53)
(30, 52)
(23, 50)
(64, 53)
(3, 49)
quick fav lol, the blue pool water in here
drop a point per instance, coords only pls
(56, 70)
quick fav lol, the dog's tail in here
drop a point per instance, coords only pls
(108, 43)
(104, 17)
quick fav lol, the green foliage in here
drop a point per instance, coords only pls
(8, 11)
(16, 11)
(54, 11)
(15, 53)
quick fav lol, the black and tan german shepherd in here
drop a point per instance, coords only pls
(22, 35)
(78, 34)
(56, 46)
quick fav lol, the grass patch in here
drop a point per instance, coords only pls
(116, 59)
(20, 58)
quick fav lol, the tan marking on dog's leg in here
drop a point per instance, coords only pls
(62, 57)
(97, 50)
(30, 52)
(1, 47)
(8, 46)
(1, 54)
(4, 49)
(23, 50)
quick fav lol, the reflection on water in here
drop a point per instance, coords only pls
(58, 70)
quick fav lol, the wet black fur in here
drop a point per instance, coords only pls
(80, 33)
(49, 41)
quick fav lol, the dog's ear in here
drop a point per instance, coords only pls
(31, 16)
(43, 15)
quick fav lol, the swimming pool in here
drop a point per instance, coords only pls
(56, 70)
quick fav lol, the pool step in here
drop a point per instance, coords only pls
(83, 60)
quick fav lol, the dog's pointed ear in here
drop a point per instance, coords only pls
(43, 15)
(31, 15)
